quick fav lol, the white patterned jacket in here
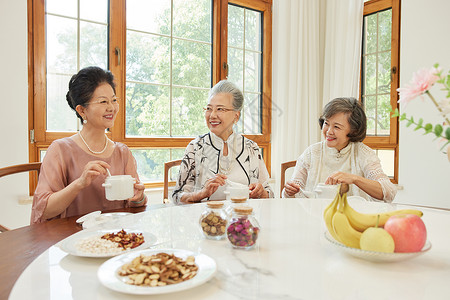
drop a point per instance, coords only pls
(201, 162)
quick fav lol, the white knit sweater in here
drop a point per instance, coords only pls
(319, 161)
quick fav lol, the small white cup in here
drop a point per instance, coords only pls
(236, 192)
(326, 190)
(119, 187)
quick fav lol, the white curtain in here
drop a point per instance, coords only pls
(316, 57)
(342, 55)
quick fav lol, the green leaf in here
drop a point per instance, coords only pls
(428, 128)
(410, 122)
(445, 145)
(438, 129)
(419, 124)
(403, 117)
(395, 113)
(436, 65)
(447, 133)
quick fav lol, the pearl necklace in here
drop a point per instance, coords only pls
(89, 148)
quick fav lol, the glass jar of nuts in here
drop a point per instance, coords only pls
(213, 220)
(243, 228)
(236, 201)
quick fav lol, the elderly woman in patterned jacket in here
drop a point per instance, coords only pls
(342, 157)
(221, 156)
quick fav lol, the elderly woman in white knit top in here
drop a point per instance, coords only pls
(341, 157)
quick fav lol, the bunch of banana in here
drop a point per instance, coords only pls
(340, 224)
(362, 221)
(329, 213)
(346, 224)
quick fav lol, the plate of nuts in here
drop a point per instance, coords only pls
(106, 242)
(156, 271)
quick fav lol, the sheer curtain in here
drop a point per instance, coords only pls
(316, 57)
(342, 54)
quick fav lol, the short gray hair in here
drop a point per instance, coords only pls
(225, 86)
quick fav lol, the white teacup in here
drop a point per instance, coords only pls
(323, 190)
(119, 187)
(236, 192)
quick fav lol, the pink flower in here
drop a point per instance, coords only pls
(422, 81)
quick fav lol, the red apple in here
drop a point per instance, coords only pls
(408, 231)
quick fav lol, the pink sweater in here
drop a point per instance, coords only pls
(63, 163)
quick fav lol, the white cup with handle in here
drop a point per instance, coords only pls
(119, 187)
(323, 190)
(236, 190)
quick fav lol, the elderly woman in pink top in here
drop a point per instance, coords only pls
(74, 168)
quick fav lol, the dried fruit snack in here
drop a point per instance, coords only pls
(213, 220)
(159, 270)
(125, 240)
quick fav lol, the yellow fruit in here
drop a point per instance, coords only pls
(377, 239)
(345, 233)
(328, 216)
(362, 221)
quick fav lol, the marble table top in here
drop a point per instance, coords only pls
(292, 259)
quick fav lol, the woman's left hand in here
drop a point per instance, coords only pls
(257, 191)
(371, 187)
(138, 195)
(341, 177)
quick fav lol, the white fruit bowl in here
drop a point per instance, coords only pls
(376, 256)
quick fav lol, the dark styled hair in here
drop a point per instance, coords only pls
(83, 84)
(355, 113)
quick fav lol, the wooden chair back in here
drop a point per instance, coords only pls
(284, 167)
(167, 167)
(34, 166)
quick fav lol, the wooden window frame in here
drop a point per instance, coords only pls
(117, 39)
(388, 142)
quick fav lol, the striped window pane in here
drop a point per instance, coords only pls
(376, 72)
(76, 37)
(245, 63)
(150, 163)
(169, 67)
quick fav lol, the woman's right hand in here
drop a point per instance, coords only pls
(291, 188)
(60, 200)
(91, 170)
(212, 184)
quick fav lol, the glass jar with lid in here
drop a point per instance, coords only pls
(236, 201)
(213, 220)
(243, 228)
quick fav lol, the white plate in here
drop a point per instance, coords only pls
(69, 244)
(376, 256)
(97, 218)
(108, 272)
(93, 214)
(116, 214)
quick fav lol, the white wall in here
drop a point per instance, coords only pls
(14, 110)
(424, 171)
